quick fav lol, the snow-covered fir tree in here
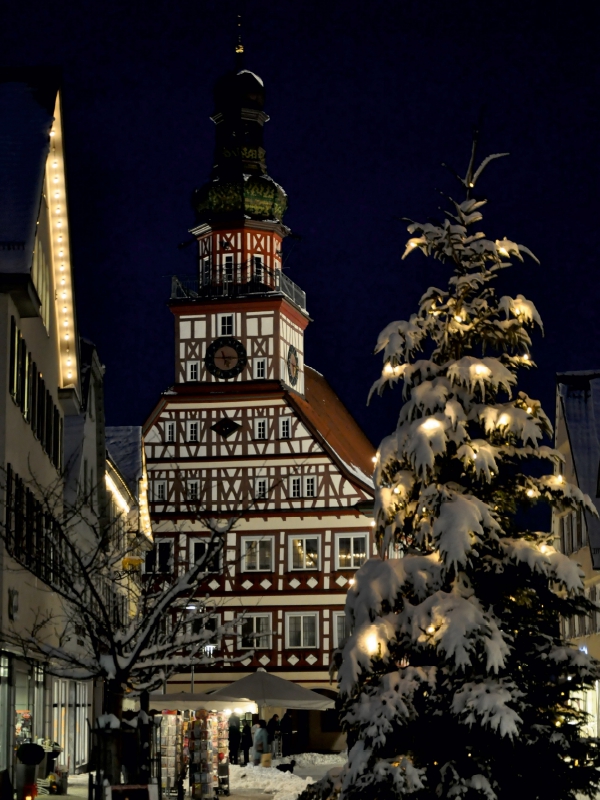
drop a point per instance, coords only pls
(456, 681)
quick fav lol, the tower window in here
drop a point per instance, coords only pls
(193, 490)
(226, 325)
(258, 269)
(170, 432)
(193, 371)
(260, 429)
(260, 368)
(260, 489)
(296, 486)
(206, 271)
(160, 490)
(285, 428)
(193, 431)
(228, 269)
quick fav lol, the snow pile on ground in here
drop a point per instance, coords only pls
(308, 759)
(79, 780)
(284, 785)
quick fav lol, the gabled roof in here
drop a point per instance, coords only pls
(579, 394)
(124, 445)
(335, 427)
(27, 102)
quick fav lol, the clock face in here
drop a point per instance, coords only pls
(225, 357)
(292, 365)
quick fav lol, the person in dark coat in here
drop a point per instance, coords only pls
(234, 738)
(285, 728)
(246, 742)
(272, 729)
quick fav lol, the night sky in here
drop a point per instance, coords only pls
(366, 100)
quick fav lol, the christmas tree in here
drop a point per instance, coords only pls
(456, 680)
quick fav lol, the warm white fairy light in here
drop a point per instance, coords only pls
(374, 459)
(430, 424)
(61, 249)
(529, 410)
(458, 318)
(503, 419)
(530, 493)
(372, 644)
(559, 478)
(431, 629)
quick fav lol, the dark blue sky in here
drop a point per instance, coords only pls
(366, 101)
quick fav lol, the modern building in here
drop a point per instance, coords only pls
(577, 438)
(249, 431)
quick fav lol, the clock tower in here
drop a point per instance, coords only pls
(249, 431)
(248, 317)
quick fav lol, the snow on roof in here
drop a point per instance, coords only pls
(254, 75)
(580, 397)
(339, 431)
(27, 99)
(124, 445)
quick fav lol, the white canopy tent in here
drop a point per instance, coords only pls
(193, 701)
(265, 689)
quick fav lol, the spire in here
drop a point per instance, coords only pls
(239, 47)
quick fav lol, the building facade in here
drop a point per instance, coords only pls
(249, 431)
(577, 535)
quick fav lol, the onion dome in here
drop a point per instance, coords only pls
(240, 185)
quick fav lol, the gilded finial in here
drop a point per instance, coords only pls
(239, 47)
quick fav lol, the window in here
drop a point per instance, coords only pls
(170, 431)
(301, 630)
(198, 554)
(257, 555)
(193, 371)
(296, 486)
(160, 490)
(258, 268)
(228, 271)
(206, 271)
(260, 368)
(304, 552)
(193, 490)
(285, 428)
(351, 550)
(310, 486)
(159, 558)
(207, 623)
(260, 489)
(341, 630)
(193, 428)
(256, 632)
(226, 325)
(260, 428)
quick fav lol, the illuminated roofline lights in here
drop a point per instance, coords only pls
(119, 499)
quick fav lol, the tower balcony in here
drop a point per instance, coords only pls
(190, 288)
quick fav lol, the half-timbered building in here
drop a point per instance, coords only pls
(249, 430)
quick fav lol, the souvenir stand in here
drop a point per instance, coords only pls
(171, 750)
(208, 743)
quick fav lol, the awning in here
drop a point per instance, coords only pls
(269, 690)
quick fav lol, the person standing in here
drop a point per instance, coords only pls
(272, 729)
(285, 728)
(246, 742)
(261, 742)
(234, 738)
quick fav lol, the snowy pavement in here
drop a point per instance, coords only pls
(257, 783)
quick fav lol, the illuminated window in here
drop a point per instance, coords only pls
(351, 550)
(257, 554)
(301, 630)
(304, 552)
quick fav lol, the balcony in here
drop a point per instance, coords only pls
(189, 288)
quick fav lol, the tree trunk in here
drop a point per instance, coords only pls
(110, 739)
(145, 727)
